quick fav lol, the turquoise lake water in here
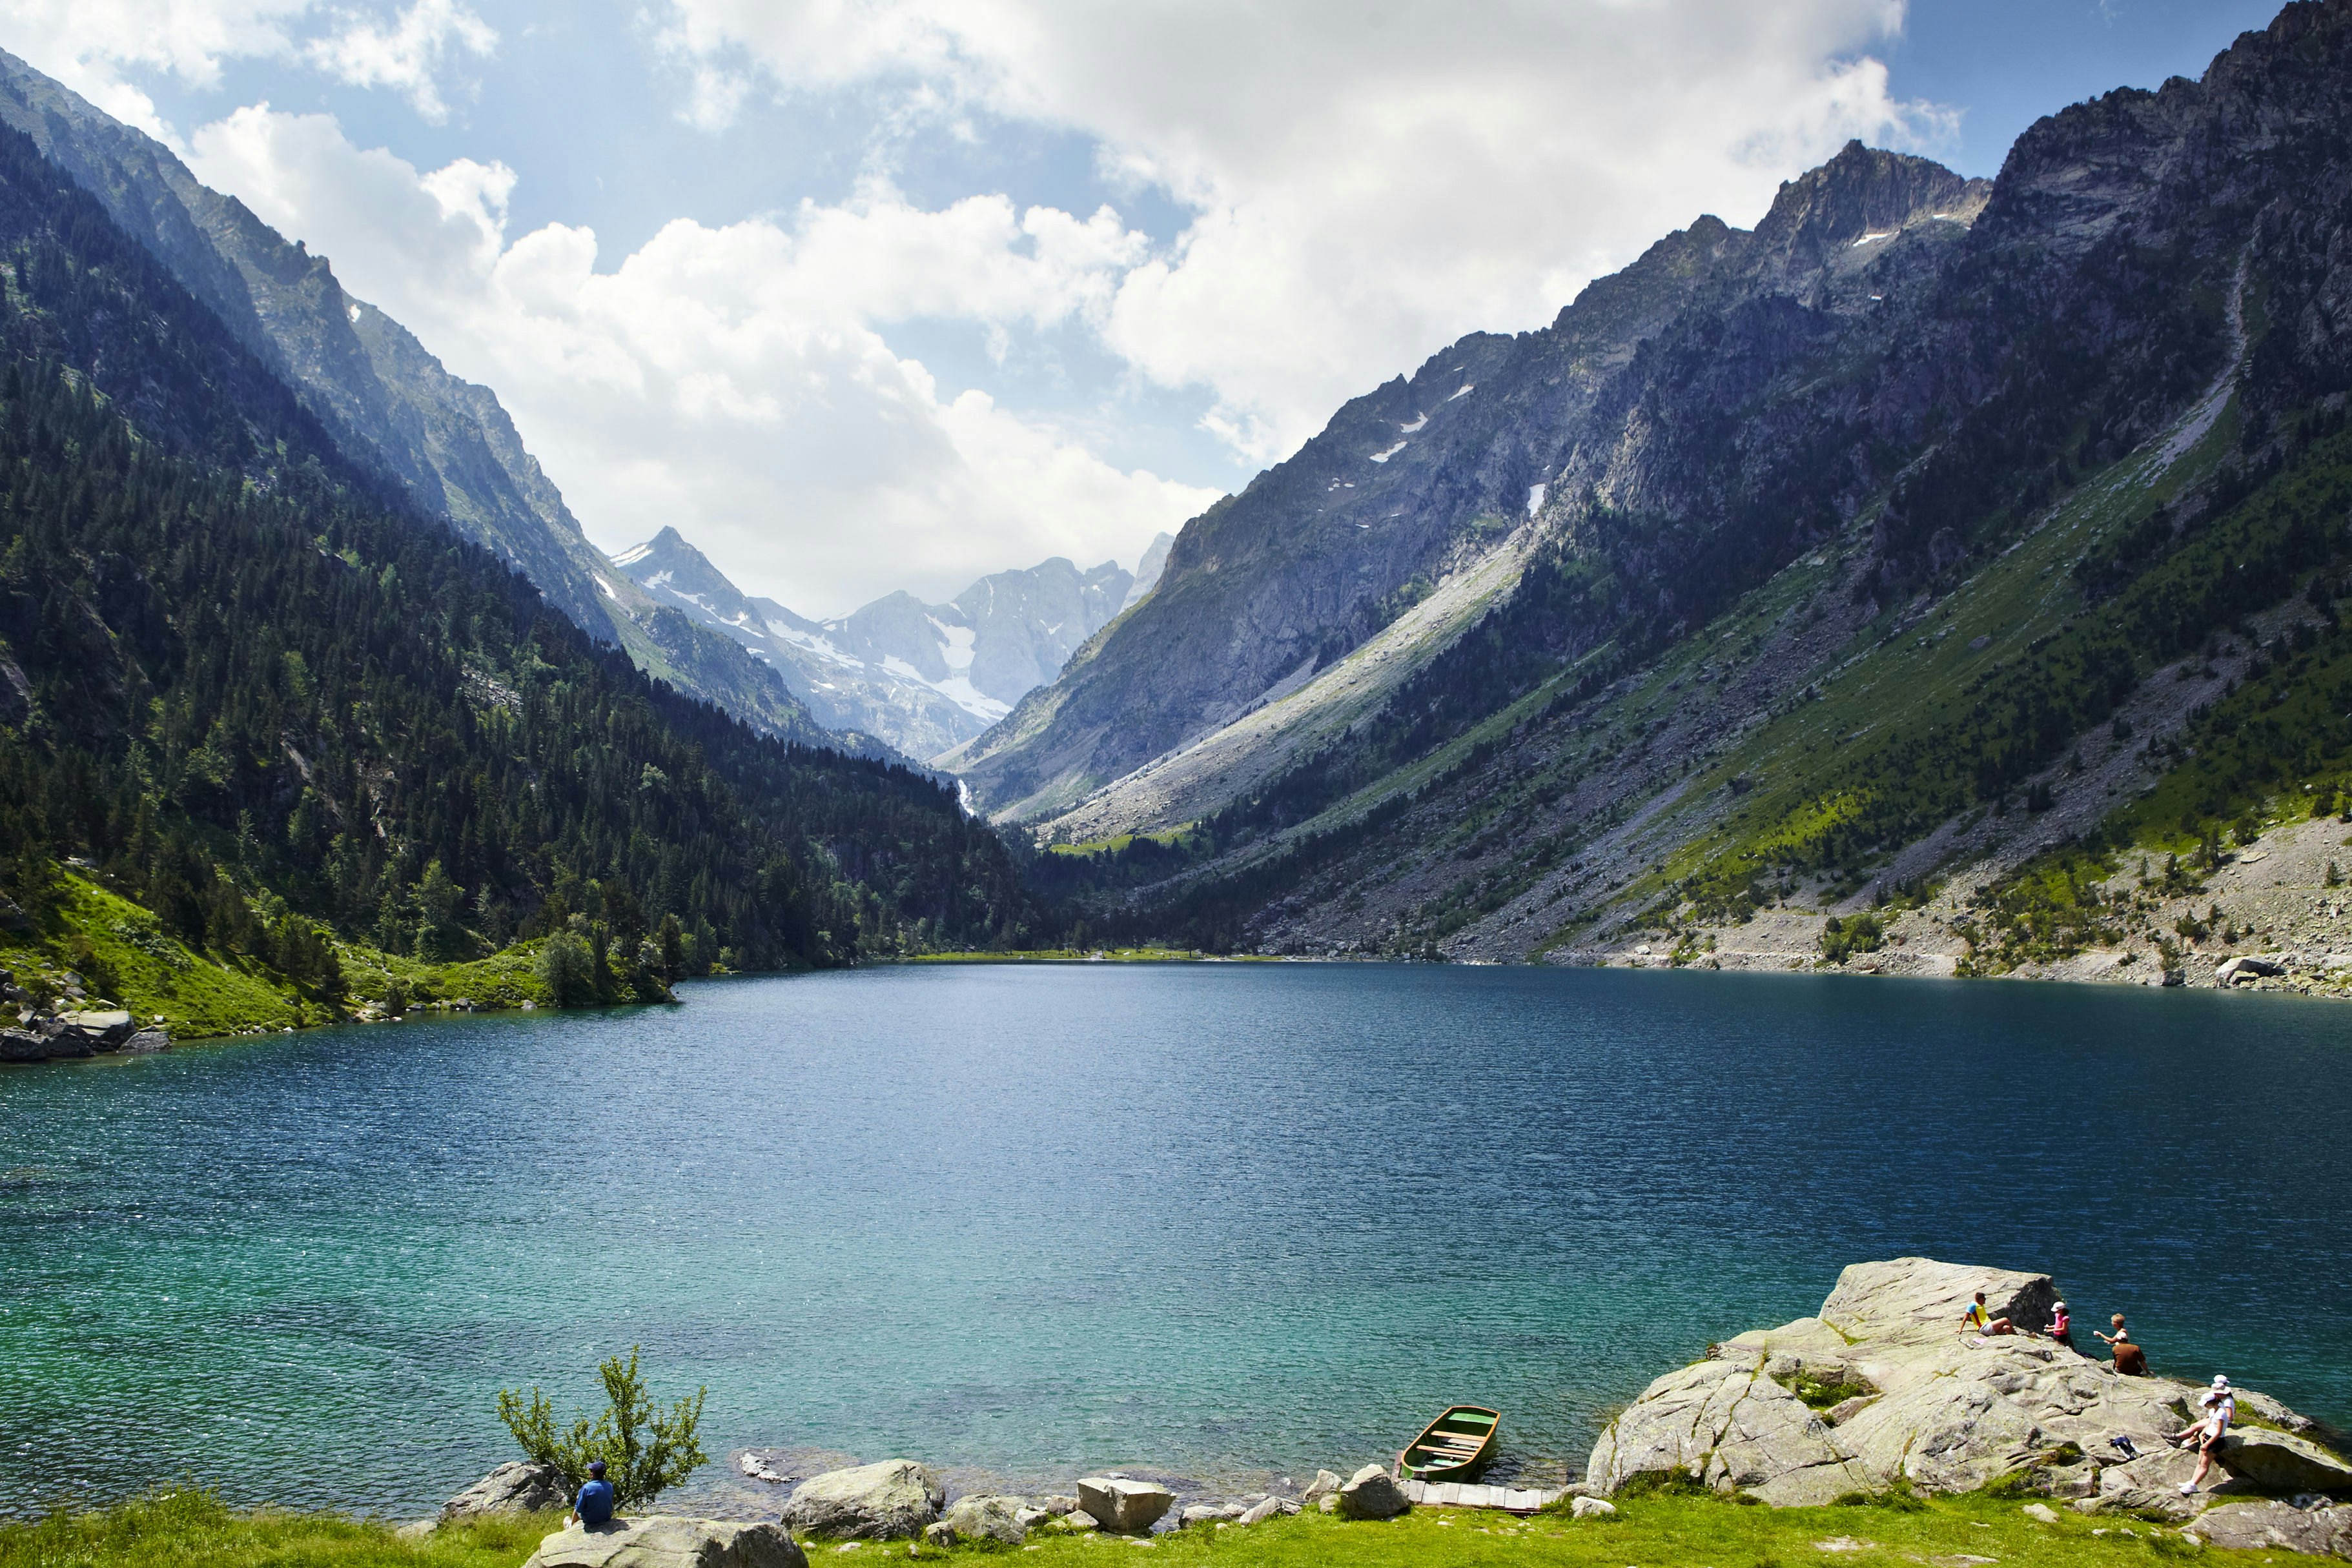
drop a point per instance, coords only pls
(1208, 1220)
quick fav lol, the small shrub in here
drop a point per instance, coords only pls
(645, 1452)
(1823, 1390)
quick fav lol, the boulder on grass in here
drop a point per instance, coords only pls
(1324, 1484)
(520, 1487)
(867, 1502)
(665, 1542)
(1128, 1507)
(985, 1518)
(1372, 1493)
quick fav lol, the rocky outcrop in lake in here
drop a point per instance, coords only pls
(1883, 1388)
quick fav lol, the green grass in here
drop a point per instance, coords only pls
(125, 956)
(1166, 837)
(191, 1530)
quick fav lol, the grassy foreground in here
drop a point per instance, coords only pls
(192, 1530)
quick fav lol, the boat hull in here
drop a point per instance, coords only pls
(1454, 1445)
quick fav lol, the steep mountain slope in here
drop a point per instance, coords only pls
(246, 687)
(1620, 419)
(924, 677)
(388, 405)
(1900, 558)
(1148, 569)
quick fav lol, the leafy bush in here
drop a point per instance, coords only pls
(1843, 938)
(567, 970)
(645, 1453)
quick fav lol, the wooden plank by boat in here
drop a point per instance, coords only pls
(1452, 1447)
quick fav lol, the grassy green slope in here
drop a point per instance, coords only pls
(121, 954)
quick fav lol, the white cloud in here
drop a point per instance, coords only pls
(733, 379)
(90, 44)
(98, 47)
(1369, 182)
(408, 56)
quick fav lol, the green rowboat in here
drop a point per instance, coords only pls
(1453, 1446)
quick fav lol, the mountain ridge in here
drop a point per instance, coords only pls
(924, 677)
(277, 740)
(1889, 581)
(390, 404)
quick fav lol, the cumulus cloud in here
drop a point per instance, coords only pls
(90, 44)
(407, 54)
(734, 380)
(99, 47)
(1367, 184)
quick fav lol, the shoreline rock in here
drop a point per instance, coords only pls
(1949, 1411)
(867, 1502)
(519, 1487)
(1123, 1506)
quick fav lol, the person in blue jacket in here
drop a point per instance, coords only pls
(594, 1504)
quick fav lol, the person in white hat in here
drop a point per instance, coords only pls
(2221, 1406)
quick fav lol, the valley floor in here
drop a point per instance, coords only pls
(192, 1531)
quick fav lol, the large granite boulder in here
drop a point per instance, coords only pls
(2258, 1526)
(1372, 1493)
(1129, 1506)
(520, 1487)
(665, 1542)
(983, 1518)
(867, 1502)
(1943, 1410)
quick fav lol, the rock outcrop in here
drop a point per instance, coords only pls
(520, 1487)
(1937, 1408)
(2317, 1531)
(665, 1542)
(867, 1502)
(1120, 1504)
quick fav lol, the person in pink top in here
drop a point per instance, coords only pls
(2062, 1326)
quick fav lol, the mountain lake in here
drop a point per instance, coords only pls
(1213, 1222)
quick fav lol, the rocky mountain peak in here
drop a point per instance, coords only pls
(1862, 193)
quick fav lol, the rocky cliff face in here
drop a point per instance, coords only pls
(444, 442)
(1619, 423)
(1908, 537)
(924, 677)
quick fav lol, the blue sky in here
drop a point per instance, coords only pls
(865, 293)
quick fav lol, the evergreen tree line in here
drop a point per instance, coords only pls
(260, 695)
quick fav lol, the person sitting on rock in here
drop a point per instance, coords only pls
(1976, 1316)
(2130, 1360)
(2221, 1406)
(2062, 1327)
(594, 1505)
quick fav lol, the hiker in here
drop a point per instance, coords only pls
(2130, 1360)
(1975, 1316)
(594, 1504)
(2062, 1327)
(2221, 1406)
